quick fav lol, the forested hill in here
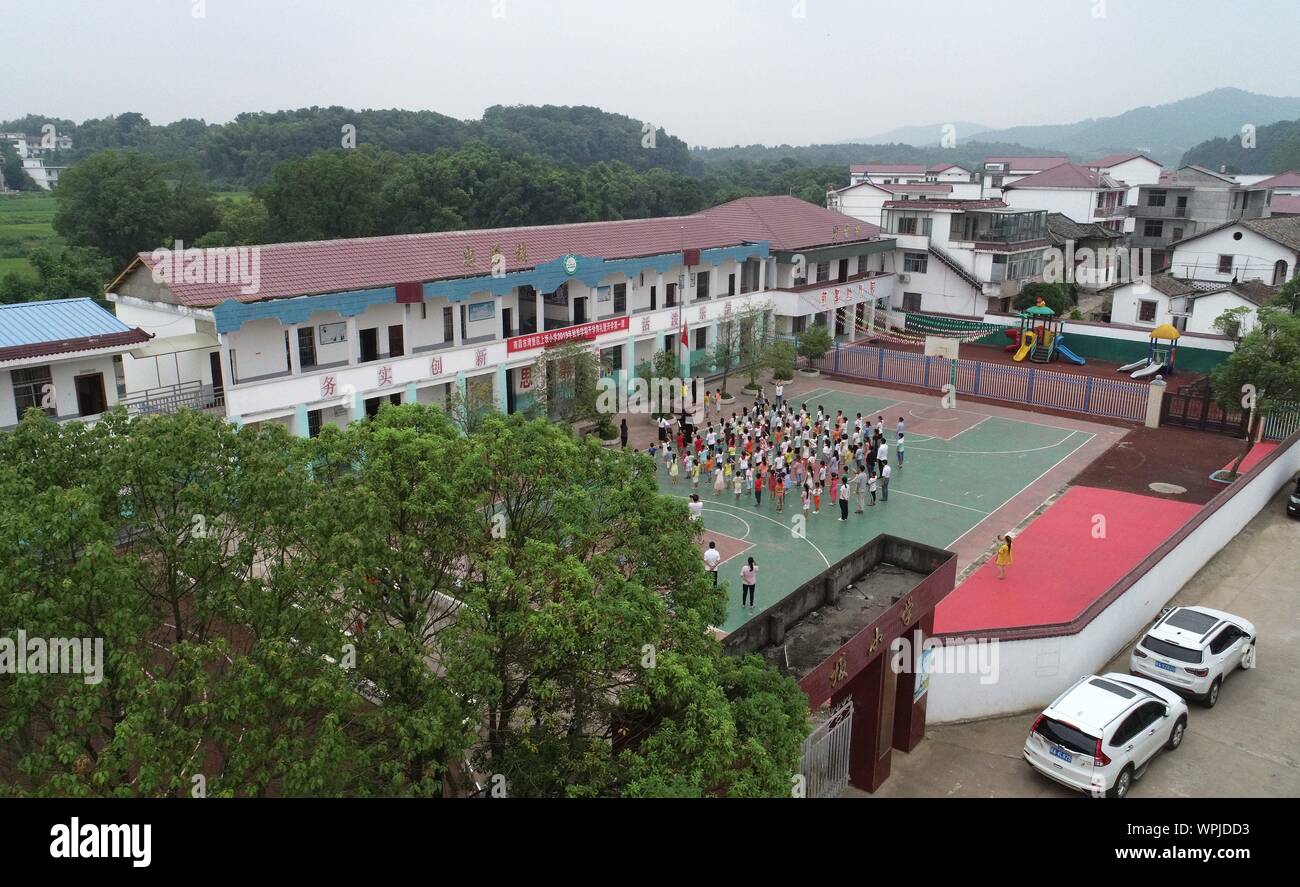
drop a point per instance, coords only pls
(243, 152)
(1276, 148)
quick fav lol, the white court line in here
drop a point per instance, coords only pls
(783, 526)
(976, 425)
(1005, 452)
(748, 530)
(940, 502)
(1030, 484)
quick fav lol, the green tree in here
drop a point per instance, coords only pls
(11, 170)
(1263, 374)
(814, 342)
(780, 359)
(328, 194)
(1057, 296)
(116, 202)
(60, 274)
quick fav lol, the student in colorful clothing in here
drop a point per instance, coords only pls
(1004, 555)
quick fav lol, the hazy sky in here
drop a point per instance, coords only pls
(713, 72)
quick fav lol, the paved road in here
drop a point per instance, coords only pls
(1248, 745)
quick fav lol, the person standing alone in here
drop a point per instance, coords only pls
(1004, 555)
(748, 579)
(712, 558)
(885, 472)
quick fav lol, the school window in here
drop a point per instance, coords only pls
(823, 271)
(313, 423)
(30, 387)
(1146, 311)
(701, 339)
(731, 284)
(702, 284)
(1156, 198)
(448, 329)
(620, 298)
(1153, 228)
(670, 295)
(307, 347)
(749, 276)
(915, 263)
(1225, 264)
(911, 301)
(863, 262)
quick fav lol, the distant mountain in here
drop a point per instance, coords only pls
(1276, 148)
(1162, 131)
(924, 136)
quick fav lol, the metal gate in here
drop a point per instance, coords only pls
(1193, 406)
(825, 761)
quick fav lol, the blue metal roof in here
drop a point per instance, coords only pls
(56, 320)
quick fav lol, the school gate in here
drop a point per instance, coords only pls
(1193, 406)
(874, 708)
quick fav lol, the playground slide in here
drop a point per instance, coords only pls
(1068, 354)
(1014, 336)
(1026, 344)
(1149, 370)
(1135, 365)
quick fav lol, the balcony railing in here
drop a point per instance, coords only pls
(1117, 211)
(169, 399)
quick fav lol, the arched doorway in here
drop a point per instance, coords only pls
(1279, 272)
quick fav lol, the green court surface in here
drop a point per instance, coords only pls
(960, 466)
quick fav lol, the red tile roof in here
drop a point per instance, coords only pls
(1068, 175)
(69, 346)
(922, 187)
(1114, 160)
(328, 266)
(940, 167)
(988, 203)
(1289, 179)
(1284, 205)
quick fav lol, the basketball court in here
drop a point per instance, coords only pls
(969, 474)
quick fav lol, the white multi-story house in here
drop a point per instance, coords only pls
(32, 151)
(910, 174)
(62, 356)
(999, 172)
(1083, 195)
(1267, 250)
(324, 332)
(1132, 169)
(866, 200)
(964, 257)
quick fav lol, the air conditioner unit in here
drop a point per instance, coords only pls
(903, 278)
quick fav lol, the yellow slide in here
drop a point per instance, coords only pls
(1026, 345)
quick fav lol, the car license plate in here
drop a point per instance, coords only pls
(1166, 666)
(1063, 755)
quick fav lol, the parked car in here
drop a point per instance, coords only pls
(1100, 735)
(1193, 649)
(1293, 504)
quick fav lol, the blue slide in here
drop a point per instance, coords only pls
(1067, 353)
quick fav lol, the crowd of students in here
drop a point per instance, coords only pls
(773, 448)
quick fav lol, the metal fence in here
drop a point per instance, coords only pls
(1028, 385)
(825, 759)
(1283, 422)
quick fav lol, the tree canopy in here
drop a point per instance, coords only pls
(383, 610)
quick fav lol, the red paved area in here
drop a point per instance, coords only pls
(1058, 566)
(1257, 452)
(728, 546)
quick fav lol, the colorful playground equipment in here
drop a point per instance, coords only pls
(1162, 350)
(1039, 337)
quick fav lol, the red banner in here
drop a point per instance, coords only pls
(581, 333)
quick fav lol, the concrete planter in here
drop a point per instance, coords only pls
(809, 374)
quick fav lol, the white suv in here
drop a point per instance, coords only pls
(1101, 734)
(1192, 649)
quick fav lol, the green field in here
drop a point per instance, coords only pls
(26, 222)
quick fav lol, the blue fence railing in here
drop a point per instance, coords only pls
(1028, 385)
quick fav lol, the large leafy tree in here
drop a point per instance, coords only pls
(117, 202)
(1263, 374)
(326, 195)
